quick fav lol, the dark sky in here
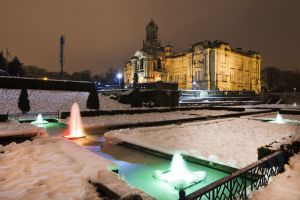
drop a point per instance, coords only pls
(102, 34)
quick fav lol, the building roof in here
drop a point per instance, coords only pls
(218, 43)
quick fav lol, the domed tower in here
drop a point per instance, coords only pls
(152, 44)
(169, 49)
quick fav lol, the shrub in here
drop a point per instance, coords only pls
(93, 100)
(293, 148)
(23, 103)
(136, 98)
(3, 117)
(264, 151)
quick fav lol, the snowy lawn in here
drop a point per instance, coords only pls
(285, 186)
(12, 128)
(52, 101)
(231, 141)
(106, 120)
(55, 168)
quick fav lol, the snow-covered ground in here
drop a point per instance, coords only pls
(14, 128)
(53, 101)
(55, 168)
(106, 120)
(231, 141)
(285, 186)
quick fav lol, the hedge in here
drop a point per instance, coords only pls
(39, 84)
(3, 117)
(64, 115)
(290, 150)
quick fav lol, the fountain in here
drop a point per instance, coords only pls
(279, 119)
(39, 120)
(75, 129)
(179, 176)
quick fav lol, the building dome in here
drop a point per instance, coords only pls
(151, 23)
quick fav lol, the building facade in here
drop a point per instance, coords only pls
(207, 65)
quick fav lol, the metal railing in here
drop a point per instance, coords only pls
(240, 183)
(32, 115)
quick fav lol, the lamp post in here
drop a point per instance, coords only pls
(119, 76)
(295, 96)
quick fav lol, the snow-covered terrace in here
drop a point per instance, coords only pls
(13, 128)
(92, 123)
(55, 168)
(232, 141)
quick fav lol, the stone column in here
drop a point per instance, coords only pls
(212, 69)
(146, 67)
(134, 65)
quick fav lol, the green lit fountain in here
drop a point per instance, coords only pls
(39, 120)
(179, 176)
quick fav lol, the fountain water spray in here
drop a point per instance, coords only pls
(39, 120)
(75, 129)
(179, 176)
(279, 119)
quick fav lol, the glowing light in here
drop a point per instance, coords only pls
(45, 78)
(294, 104)
(39, 120)
(179, 176)
(75, 129)
(119, 75)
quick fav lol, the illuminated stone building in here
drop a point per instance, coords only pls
(204, 66)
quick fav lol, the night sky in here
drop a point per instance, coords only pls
(103, 34)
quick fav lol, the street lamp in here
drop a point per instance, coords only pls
(119, 76)
(295, 104)
(194, 85)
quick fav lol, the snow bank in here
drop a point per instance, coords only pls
(233, 142)
(52, 101)
(285, 186)
(12, 128)
(106, 120)
(55, 168)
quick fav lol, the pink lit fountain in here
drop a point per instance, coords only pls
(75, 129)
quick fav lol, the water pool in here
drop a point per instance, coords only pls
(137, 167)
